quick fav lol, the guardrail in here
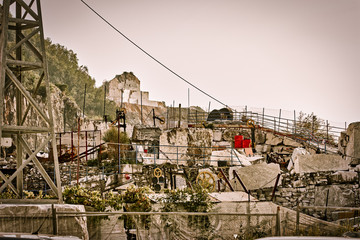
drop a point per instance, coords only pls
(321, 135)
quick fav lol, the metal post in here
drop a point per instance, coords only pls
(297, 220)
(141, 108)
(177, 155)
(69, 175)
(179, 123)
(279, 120)
(167, 118)
(195, 117)
(327, 133)
(294, 122)
(72, 145)
(274, 189)
(60, 144)
(54, 219)
(86, 146)
(84, 101)
(104, 101)
(136, 153)
(78, 153)
(278, 232)
(263, 114)
(118, 145)
(326, 203)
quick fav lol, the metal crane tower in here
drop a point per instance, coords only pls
(26, 119)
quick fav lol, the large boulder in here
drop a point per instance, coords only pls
(320, 163)
(273, 140)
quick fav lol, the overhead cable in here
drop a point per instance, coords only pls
(149, 55)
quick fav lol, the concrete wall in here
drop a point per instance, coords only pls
(28, 218)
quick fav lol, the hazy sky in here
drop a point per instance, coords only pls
(301, 55)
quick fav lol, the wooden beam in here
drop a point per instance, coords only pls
(24, 39)
(23, 129)
(27, 95)
(33, 95)
(28, 9)
(40, 167)
(226, 180)
(24, 63)
(24, 164)
(9, 184)
(23, 21)
(32, 48)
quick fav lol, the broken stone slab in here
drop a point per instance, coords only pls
(260, 137)
(294, 157)
(273, 140)
(290, 142)
(230, 157)
(217, 136)
(339, 195)
(256, 176)
(344, 177)
(320, 163)
(232, 196)
(142, 133)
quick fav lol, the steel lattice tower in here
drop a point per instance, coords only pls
(23, 72)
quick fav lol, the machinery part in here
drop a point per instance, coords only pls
(250, 123)
(157, 172)
(154, 180)
(72, 151)
(162, 120)
(157, 187)
(206, 181)
(123, 110)
(161, 179)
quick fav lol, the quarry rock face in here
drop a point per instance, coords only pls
(349, 143)
(187, 144)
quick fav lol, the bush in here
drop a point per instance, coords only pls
(111, 136)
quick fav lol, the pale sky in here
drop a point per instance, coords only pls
(301, 55)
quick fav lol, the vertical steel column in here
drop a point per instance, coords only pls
(26, 25)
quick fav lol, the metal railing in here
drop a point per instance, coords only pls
(321, 135)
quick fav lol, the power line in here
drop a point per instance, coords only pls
(148, 54)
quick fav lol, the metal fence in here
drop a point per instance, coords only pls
(320, 134)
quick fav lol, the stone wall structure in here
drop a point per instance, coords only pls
(125, 88)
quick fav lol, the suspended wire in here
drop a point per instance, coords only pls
(149, 55)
